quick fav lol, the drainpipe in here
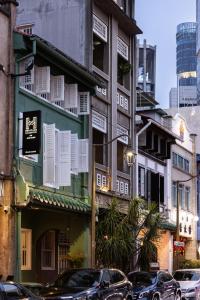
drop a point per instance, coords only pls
(136, 164)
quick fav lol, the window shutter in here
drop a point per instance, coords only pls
(99, 121)
(122, 48)
(42, 75)
(125, 103)
(117, 98)
(84, 103)
(104, 181)
(126, 188)
(83, 156)
(121, 101)
(100, 28)
(64, 169)
(57, 89)
(122, 130)
(26, 81)
(49, 154)
(74, 153)
(71, 96)
(117, 186)
(98, 179)
(121, 187)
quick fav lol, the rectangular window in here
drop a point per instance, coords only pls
(187, 198)
(174, 194)
(141, 182)
(181, 196)
(180, 162)
(48, 251)
(186, 165)
(174, 159)
(26, 246)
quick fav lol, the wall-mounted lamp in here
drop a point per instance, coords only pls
(130, 157)
(28, 69)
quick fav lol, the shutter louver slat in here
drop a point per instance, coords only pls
(74, 153)
(83, 156)
(71, 98)
(84, 103)
(64, 178)
(26, 81)
(49, 155)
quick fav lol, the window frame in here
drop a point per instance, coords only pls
(51, 251)
(28, 249)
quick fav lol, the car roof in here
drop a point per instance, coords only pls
(181, 270)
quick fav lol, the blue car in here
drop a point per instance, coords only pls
(89, 284)
(154, 286)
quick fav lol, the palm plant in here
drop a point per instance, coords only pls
(120, 237)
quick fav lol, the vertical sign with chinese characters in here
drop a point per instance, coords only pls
(31, 132)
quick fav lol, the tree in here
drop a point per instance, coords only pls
(120, 237)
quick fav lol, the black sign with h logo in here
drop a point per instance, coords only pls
(31, 132)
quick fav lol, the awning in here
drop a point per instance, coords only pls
(168, 226)
(55, 200)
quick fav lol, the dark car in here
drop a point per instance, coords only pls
(82, 284)
(13, 291)
(154, 285)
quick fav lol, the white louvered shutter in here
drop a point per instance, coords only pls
(122, 48)
(84, 103)
(126, 192)
(117, 98)
(104, 181)
(42, 75)
(26, 81)
(125, 103)
(100, 28)
(121, 101)
(74, 153)
(98, 180)
(121, 130)
(49, 155)
(117, 186)
(83, 156)
(58, 89)
(64, 169)
(71, 96)
(121, 187)
(99, 121)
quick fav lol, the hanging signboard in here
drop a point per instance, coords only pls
(31, 132)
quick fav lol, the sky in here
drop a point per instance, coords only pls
(158, 20)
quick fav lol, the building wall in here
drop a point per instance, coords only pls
(7, 219)
(50, 19)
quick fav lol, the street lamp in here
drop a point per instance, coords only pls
(130, 158)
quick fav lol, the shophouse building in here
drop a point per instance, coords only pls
(100, 35)
(52, 204)
(7, 215)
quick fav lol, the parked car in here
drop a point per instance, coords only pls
(34, 287)
(189, 280)
(154, 285)
(13, 291)
(82, 284)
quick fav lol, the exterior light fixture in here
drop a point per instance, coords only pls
(130, 157)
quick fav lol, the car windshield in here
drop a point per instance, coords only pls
(78, 278)
(187, 275)
(142, 278)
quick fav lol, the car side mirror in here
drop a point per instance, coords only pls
(104, 284)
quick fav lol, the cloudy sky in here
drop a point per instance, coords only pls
(158, 20)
